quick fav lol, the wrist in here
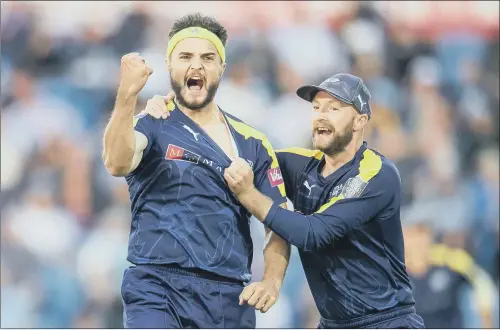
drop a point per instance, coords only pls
(247, 193)
(125, 95)
(275, 282)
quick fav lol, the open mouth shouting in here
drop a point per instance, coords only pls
(323, 131)
(195, 83)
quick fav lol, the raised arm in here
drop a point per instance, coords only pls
(123, 146)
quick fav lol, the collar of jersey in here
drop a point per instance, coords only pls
(178, 115)
(343, 169)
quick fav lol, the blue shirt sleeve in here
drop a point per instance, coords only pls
(358, 203)
(267, 174)
(147, 125)
(292, 163)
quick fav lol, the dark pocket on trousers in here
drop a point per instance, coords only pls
(125, 283)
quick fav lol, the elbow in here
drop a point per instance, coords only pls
(322, 234)
(307, 244)
(117, 171)
(114, 169)
(312, 245)
(316, 240)
(309, 236)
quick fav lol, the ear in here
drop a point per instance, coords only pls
(168, 65)
(167, 62)
(360, 121)
(223, 69)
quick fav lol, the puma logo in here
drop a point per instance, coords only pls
(192, 132)
(306, 184)
(361, 101)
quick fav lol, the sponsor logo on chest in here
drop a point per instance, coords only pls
(177, 153)
(352, 188)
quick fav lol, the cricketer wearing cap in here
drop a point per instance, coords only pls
(347, 225)
(190, 238)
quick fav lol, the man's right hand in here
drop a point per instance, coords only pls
(157, 106)
(134, 74)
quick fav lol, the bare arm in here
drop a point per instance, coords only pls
(276, 257)
(123, 146)
(265, 293)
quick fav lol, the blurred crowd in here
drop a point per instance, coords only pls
(433, 74)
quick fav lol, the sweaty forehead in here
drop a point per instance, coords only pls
(195, 45)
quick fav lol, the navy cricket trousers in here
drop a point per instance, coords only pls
(171, 297)
(398, 318)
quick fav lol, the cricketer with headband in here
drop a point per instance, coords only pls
(347, 224)
(190, 242)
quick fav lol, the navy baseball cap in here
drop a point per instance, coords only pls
(343, 86)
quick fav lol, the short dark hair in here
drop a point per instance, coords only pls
(199, 20)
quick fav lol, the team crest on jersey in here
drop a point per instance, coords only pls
(274, 176)
(352, 188)
(177, 153)
(336, 191)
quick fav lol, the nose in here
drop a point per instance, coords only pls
(319, 116)
(196, 63)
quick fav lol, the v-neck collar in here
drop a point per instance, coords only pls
(341, 170)
(185, 118)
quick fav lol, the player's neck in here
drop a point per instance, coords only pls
(205, 116)
(334, 162)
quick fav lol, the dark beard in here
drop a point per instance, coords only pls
(339, 143)
(211, 90)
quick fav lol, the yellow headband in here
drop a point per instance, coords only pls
(196, 32)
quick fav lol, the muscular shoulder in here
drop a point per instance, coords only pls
(375, 165)
(144, 122)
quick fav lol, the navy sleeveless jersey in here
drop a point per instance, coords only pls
(183, 212)
(348, 232)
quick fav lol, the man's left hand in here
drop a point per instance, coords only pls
(239, 176)
(261, 294)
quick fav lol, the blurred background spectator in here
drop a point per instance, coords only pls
(432, 69)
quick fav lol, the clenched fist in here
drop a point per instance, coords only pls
(239, 176)
(262, 295)
(134, 73)
(157, 106)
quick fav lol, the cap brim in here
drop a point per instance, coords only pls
(308, 92)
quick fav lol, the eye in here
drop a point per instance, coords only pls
(209, 58)
(332, 109)
(184, 57)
